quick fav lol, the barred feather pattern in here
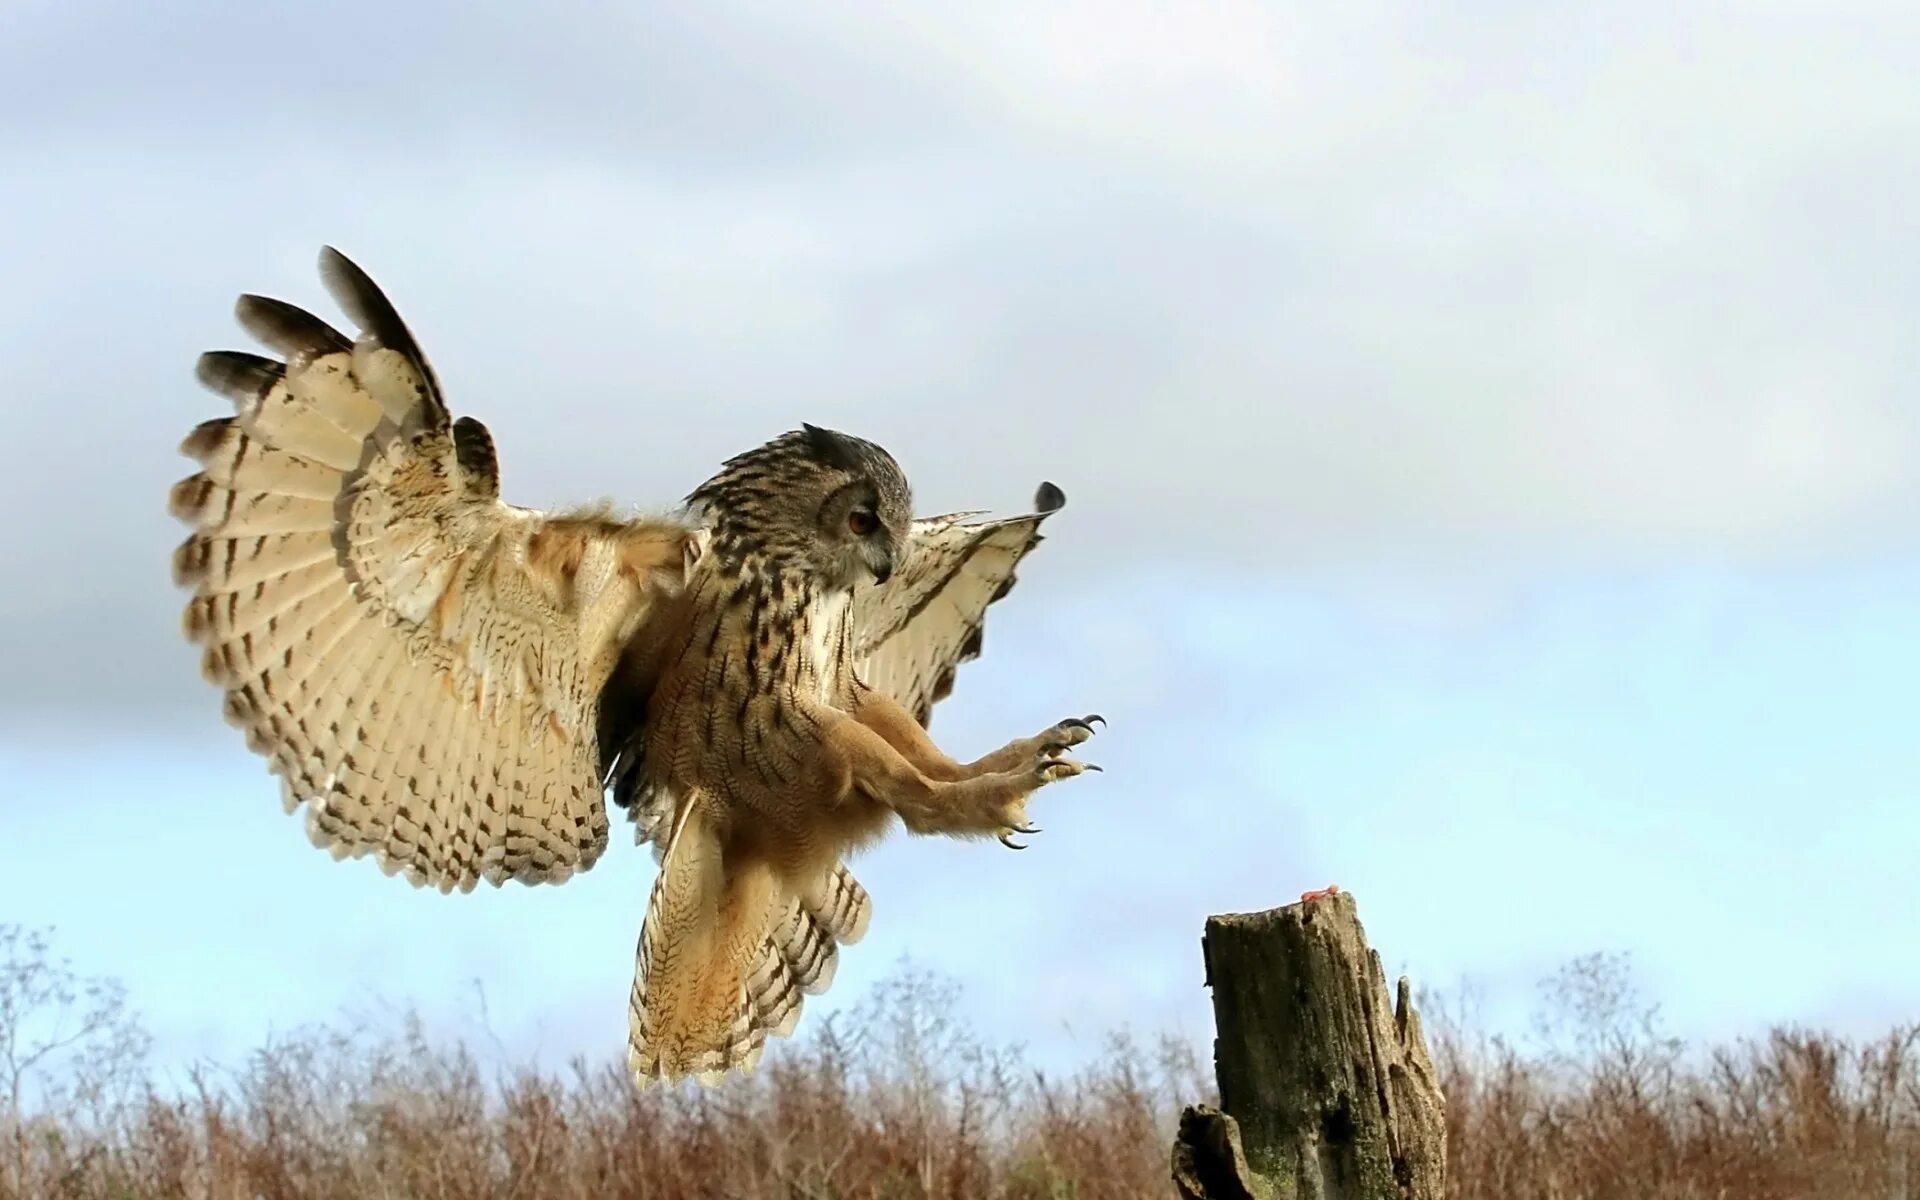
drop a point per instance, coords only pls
(711, 986)
(419, 662)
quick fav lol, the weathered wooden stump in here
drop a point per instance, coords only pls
(1326, 1089)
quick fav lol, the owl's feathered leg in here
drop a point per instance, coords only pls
(896, 726)
(989, 803)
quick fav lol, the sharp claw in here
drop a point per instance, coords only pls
(1092, 719)
(1027, 829)
(1006, 839)
(1091, 767)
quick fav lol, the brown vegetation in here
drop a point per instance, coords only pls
(897, 1101)
(1605, 1107)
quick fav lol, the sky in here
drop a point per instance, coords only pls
(1490, 436)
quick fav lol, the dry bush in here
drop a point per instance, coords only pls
(70, 1061)
(895, 1099)
(1607, 1108)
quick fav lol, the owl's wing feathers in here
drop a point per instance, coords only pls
(913, 632)
(420, 662)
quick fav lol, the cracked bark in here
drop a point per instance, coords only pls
(1326, 1088)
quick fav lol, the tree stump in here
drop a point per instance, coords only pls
(1326, 1091)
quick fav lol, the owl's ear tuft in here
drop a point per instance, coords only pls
(833, 449)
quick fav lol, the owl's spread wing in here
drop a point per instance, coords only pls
(912, 632)
(420, 662)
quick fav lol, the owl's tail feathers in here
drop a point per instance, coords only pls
(840, 907)
(726, 957)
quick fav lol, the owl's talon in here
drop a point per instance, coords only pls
(1023, 827)
(1006, 839)
(1074, 730)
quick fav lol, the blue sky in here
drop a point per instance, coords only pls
(1491, 444)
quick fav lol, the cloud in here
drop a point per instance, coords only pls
(1269, 291)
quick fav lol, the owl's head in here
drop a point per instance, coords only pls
(826, 503)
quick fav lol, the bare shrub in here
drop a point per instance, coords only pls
(897, 1099)
(1607, 1107)
(892, 1099)
(70, 1058)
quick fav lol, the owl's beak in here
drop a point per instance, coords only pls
(883, 567)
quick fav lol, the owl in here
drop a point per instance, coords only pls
(454, 686)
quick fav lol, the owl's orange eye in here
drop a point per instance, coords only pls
(862, 522)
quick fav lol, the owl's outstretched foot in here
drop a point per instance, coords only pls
(1051, 743)
(1048, 767)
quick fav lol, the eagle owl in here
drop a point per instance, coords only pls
(452, 684)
